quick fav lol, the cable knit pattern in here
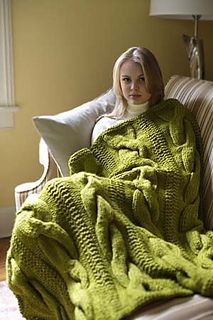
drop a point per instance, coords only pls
(122, 231)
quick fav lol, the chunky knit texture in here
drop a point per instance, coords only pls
(122, 230)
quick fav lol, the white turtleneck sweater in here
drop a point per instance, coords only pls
(105, 122)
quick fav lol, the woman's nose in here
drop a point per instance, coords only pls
(134, 85)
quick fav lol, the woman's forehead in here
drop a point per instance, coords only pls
(129, 67)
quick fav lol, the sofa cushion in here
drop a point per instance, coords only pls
(197, 95)
(69, 131)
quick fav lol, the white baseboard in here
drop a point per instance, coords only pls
(7, 219)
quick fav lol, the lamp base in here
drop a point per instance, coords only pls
(194, 48)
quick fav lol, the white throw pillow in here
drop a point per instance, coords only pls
(69, 131)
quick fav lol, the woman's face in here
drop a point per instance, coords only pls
(132, 83)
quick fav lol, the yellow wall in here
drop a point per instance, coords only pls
(63, 56)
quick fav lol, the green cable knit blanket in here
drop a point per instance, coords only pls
(123, 230)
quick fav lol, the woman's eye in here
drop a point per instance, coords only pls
(126, 80)
(142, 79)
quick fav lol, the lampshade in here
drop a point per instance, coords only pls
(187, 9)
(182, 9)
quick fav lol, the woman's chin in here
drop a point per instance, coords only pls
(136, 101)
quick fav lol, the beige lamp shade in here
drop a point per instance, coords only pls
(187, 9)
(182, 9)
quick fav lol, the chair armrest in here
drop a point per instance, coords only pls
(50, 171)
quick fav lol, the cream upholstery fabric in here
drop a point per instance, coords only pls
(197, 95)
(183, 308)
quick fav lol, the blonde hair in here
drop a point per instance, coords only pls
(152, 75)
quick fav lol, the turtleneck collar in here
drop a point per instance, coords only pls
(136, 109)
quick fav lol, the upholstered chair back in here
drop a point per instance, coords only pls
(197, 95)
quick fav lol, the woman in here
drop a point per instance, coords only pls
(123, 230)
(137, 84)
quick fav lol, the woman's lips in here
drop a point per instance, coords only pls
(135, 95)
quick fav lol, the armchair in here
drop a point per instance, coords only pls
(67, 132)
(74, 128)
